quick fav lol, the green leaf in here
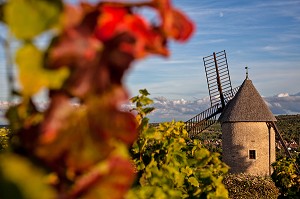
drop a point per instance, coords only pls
(187, 170)
(148, 110)
(152, 134)
(144, 92)
(180, 170)
(28, 18)
(32, 75)
(193, 181)
(134, 99)
(145, 101)
(179, 179)
(144, 124)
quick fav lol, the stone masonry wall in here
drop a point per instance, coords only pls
(240, 137)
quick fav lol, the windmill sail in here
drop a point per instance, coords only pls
(217, 75)
(220, 92)
(202, 121)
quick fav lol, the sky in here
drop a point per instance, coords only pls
(263, 35)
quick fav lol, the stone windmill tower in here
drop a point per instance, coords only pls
(248, 126)
(247, 138)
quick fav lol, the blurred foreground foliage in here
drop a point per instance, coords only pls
(77, 146)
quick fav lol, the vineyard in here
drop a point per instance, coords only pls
(94, 149)
(154, 170)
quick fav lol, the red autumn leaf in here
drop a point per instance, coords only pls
(115, 21)
(174, 23)
(55, 117)
(110, 22)
(75, 46)
(181, 29)
(73, 49)
(72, 142)
(111, 179)
(148, 38)
(111, 123)
(121, 176)
(126, 36)
(72, 16)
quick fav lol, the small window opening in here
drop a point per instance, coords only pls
(252, 154)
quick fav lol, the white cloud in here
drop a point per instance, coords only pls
(211, 41)
(167, 110)
(270, 48)
(283, 95)
(181, 109)
(284, 104)
(277, 105)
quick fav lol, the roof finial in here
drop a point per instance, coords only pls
(246, 72)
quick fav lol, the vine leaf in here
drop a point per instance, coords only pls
(112, 178)
(174, 23)
(90, 133)
(144, 92)
(27, 19)
(31, 74)
(21, 179)
(193, 181)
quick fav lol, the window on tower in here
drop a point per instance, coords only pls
(252, 154)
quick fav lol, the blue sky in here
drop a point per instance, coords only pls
(261, 34)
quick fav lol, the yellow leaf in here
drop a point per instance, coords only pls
(27, 19)
(19, 178)
(32, 75)
(194, 181)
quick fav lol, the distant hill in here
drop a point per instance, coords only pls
(297, 94)
(289, 125)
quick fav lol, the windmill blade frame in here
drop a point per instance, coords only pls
(220, 92)
(217, 76)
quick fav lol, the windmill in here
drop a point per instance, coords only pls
(220, 92)
(248, 126)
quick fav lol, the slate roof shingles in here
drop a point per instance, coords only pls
(247, 106)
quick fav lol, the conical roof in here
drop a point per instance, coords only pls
(247, 106)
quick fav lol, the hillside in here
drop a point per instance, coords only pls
(289, 126)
